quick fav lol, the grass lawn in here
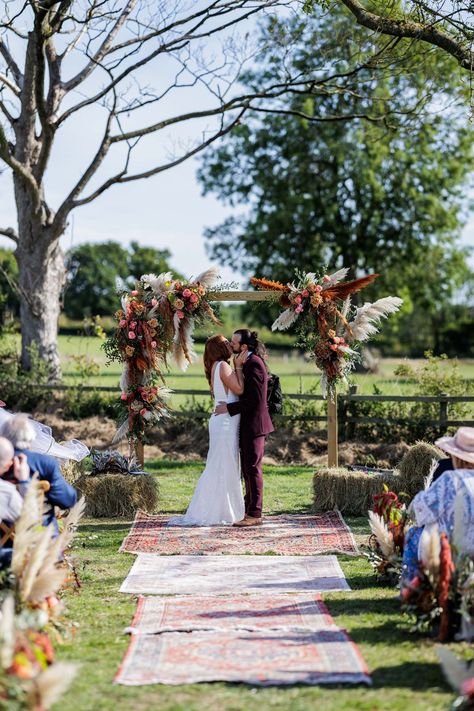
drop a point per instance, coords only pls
(404, 667)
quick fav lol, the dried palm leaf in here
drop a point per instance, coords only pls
(363, 326)
(158, 283)
(70, 523)
(285, 320)
(428, 480)
(268, 284)
(51, 684)
(380, 530)
(335, 278)
(342, 291)
(121, 432)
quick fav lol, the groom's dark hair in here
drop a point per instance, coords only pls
(251, 340)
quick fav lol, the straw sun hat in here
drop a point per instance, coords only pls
(461, 445)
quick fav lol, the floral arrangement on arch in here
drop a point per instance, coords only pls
(388, 522)
(157, 319)
(328, 326)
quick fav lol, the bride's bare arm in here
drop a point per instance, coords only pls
(233, 380)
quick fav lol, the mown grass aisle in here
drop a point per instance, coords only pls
(404, 667)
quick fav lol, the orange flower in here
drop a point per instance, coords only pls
(153, 323)
(129, 351)
(316, 300)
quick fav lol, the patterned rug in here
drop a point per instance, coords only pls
(217, 575)
(286, 534)
(261, 658)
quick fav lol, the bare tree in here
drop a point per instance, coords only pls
(60, 59)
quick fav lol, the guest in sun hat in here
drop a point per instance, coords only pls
(436, 504)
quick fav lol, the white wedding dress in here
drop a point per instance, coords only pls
(218, 497)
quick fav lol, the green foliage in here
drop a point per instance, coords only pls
(20, 389)
(95, 268)
(384, 195)
(9, 303)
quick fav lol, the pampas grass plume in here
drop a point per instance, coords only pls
(430, 549)
(51, 684)
(380, 530)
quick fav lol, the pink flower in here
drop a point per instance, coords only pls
(122, 323)
(180, 314)
(153, 302)
(305, 293)
(143, 411)
(132, 335)
(187, 293)
(133, 324)
(134, 293)
(194, 298)
(299, 309)
(326, 278)
(336, 339)
(318, 288)
(333, 347)
(467, 687)
(124, 396)
(298, 299)
(153, 344)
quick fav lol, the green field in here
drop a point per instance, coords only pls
(296, 374)
(403, 665)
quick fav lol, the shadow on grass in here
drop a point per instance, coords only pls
(363, 606)
(419, 676)
(105, 527)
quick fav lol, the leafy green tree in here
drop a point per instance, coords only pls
(9, 301)
(95, 268)
(382, 193)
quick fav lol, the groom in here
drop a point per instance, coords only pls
(255, 422)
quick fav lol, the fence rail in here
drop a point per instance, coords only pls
(346, 416)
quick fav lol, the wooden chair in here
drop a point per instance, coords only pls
(7, 531)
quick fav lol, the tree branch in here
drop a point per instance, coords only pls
(9, 232)
(10, 84)
(13, 66)
(413, 30)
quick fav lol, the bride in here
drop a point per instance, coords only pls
(218, 497)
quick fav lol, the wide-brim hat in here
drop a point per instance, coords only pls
(461, 445)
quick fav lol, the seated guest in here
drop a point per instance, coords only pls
(21, 434)
(14, 471)
(436, 504)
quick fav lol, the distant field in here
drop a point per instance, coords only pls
(296, 374)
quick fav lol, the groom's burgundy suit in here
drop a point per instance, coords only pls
(255, 424)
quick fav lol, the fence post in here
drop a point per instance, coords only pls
(332, 429)
(349, 410)
(443, 413)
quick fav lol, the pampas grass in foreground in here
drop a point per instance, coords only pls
(111, 495)
(350, 492)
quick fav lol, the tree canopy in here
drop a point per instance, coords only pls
(384, 195)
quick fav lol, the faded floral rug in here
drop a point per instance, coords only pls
(300, 611)
(286, 534)
(220, 575)
(263, 658)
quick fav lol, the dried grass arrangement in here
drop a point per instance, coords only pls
(416, 466)
(112, 495)
(349, 491)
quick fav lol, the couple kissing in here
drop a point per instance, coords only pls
(238, 427)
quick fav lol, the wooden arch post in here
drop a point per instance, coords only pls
(333, 457)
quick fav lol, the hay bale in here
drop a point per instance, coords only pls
(112, 495)
(349, 491)
(415, 466)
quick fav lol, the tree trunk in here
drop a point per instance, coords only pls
(41, 279)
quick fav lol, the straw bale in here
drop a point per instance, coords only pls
(112, 495)
(349, 491)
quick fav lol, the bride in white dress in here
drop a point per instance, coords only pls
(218, 497)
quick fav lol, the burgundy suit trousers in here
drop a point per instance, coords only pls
(251, 453)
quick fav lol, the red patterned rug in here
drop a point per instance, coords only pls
(238, 612)
(286, 534)
(264, 658)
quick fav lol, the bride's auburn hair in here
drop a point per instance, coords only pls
(217, 348)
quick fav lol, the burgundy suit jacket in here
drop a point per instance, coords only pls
(255, 420)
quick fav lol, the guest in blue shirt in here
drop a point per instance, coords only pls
(21, 434)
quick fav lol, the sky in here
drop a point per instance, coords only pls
(165, 211)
